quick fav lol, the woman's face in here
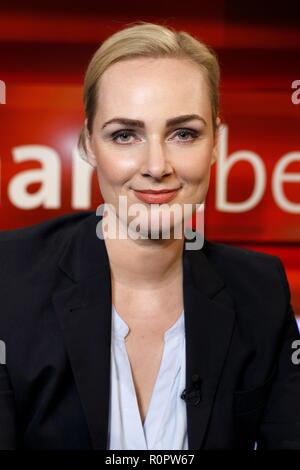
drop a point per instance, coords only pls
(154, 153)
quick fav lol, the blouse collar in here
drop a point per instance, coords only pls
(121, 329)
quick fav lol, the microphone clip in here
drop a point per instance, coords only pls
(192, 395)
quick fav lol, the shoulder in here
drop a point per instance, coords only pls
(222, 253)
(53, 227)
(38, 243)
(224, 256)
(248, 273)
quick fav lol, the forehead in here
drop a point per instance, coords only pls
(152, 84)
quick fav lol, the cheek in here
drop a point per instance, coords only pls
(196, 162)
(195, 169)
(111, 171)
(115, 168)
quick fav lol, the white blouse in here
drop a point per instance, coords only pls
(165, 425)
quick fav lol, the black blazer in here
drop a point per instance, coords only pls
(55, 320)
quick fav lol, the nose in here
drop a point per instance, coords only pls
(156, 162)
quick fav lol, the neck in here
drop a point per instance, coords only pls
(145, 264)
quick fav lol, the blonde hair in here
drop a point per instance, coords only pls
(143, 39)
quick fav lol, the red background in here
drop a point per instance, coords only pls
(45, 48)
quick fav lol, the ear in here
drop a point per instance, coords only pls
(216, 141)
(90, 155)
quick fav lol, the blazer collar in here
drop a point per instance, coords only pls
(83, 301)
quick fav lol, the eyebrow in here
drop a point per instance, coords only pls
(169, 122)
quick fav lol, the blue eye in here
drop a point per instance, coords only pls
(125, 133)
(118, 134)
(190, 132)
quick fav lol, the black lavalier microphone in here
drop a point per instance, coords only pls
(192, 394)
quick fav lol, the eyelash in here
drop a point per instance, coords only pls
(193, 133)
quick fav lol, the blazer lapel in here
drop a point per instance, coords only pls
(83, 306)
(209, 321)
(83, 301)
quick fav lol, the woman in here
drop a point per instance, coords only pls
(133, 341)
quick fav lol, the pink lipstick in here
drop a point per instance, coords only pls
(156, 197)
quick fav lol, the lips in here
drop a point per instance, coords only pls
(151, 196)
(156, 191)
